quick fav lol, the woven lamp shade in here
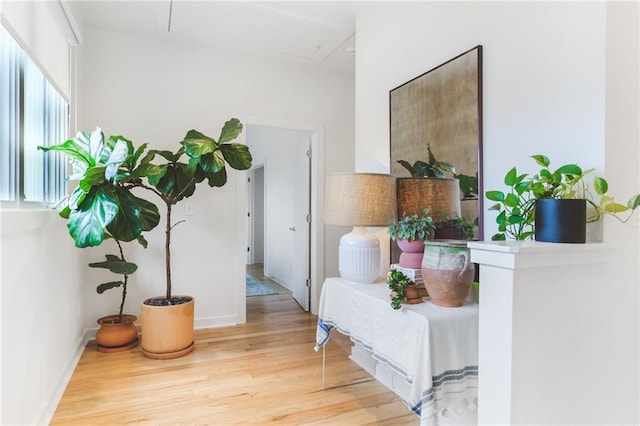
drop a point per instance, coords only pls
(360, 199)
(437, 194)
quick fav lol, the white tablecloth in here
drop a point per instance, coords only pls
(435, 349)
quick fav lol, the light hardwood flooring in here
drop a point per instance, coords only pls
(264, 371)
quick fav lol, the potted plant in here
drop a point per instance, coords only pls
(534, 205)
(117, 332)
(428, 187)
(457, 228)
(410, 232)
(167, 321)
(403, 289)
(101, 206)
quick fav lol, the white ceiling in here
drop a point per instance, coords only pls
(317, 33)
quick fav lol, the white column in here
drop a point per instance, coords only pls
(541, 333)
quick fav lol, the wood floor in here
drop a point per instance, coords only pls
(264, 371)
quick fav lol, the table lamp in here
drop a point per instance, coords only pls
(359, 200)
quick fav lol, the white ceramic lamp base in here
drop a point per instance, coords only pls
(359, 256)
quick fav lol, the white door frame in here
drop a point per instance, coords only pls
(317, 200)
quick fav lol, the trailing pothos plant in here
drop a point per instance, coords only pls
(516, 206)
(397, 281)
(103, 204)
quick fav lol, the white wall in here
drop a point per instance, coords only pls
(42, 274)
(544, 92)
(154, 91)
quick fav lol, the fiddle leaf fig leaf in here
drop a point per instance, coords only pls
(118, 155)
(108, 286)
(87, 224)
(116, 265)
(197, 144)
(231, 130)
(237, 155)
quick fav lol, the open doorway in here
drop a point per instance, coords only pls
(279, 210)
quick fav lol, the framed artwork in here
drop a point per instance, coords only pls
(441, 110)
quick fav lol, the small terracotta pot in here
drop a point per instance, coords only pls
(117, 336)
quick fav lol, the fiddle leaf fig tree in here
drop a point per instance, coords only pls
(101, 206)
(174, 179)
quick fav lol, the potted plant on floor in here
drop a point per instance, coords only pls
(410, 233)
(534, 205)
(167, 321)
(100, 207)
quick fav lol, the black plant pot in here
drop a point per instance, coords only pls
(561, 221)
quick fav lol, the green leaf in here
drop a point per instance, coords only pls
(510, 177)
(167, 155)
(513, 219)
(72, 149)
(116, 265)
(634, 202)
(542, 160)
(407, 166)
(77, 197)
(212, 162)
(107, 286)
(237, 155)
(152, 172)
(496, 206)
(498, 237)
(149, 215)
(65, 212)
(501, 218)
(495, 195)
(96, 143)
(230, 131)
(126, 225)
(525, 235)
(96, 212)
(615, 208)
(546, 174)
(570, 169)
(511, 201)
(600, 185)
(522, 187)
(118, 155)
(94, 176)
(142, 241)
(217, 179)
(197, 144)
(138, 154)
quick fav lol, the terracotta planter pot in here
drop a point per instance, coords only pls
(447, 272)
(411, 256)
(167, 331)
(413, 293)
(115, 336)
(411, 246)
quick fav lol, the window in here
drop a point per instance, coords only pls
(32, 113)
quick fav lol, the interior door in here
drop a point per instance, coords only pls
(302, 226)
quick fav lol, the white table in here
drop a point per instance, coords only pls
(432, 349)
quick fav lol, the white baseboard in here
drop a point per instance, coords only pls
(50, 409)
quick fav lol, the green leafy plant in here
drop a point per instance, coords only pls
(468, 186)
(103, 205)
(516, 206)
(432, 168)
(413, 227)
(460, 226)
(397, 281)
(120, 266)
